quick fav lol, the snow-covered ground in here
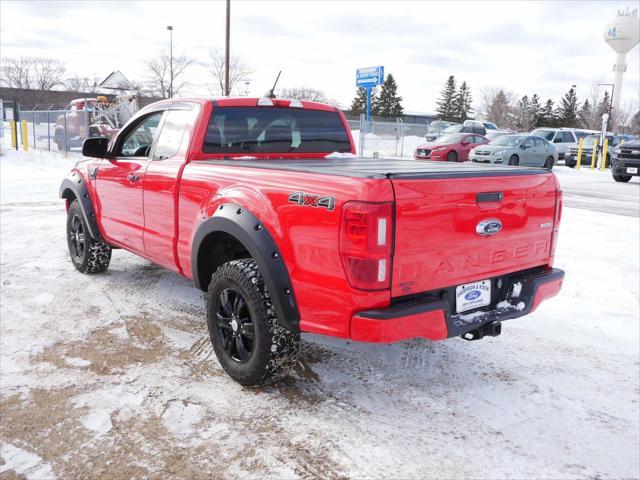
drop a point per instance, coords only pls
(113, 376)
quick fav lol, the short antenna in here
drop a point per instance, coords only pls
(271, 94)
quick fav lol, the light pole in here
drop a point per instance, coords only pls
(226, 51)
(170, 28)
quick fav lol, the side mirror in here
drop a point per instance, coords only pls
(523, 146)
(557, 140)
(96, 147)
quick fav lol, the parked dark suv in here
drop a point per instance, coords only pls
(625, 161)
(571, 159)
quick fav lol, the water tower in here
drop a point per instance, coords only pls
(622, 34)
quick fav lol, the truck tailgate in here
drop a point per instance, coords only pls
(436, 242)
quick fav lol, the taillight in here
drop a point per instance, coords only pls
(365, 244)
(556, 222)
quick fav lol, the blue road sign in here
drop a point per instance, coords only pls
(369, 76)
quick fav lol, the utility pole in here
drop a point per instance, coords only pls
(226, 51)
(170, 28)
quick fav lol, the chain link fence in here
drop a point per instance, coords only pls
(386, 137)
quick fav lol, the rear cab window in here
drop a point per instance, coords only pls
(255, 130)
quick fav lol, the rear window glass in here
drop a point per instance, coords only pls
(274, 130)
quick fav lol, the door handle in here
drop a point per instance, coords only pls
(133, 178)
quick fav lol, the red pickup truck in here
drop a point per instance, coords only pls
(263, 204)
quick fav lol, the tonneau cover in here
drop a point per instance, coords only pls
(383, 167)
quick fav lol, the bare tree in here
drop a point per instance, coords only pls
(497, 106)
(39, 73)
(624, 115)
(159, 74)
(238, 72)
(304, 93)
(81, 84)
(48, 73)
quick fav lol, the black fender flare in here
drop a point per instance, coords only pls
(251, 233)
(75, 186)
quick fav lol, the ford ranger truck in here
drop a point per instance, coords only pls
(265, 206)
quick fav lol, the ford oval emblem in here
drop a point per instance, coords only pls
(489, 227)
(472, 295)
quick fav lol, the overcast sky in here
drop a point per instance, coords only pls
(526, 47)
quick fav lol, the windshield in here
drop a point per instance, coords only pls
(591, 139)
(490, 126)
(508, 140)
(436, 127)
(450, 138)
(250, 130)
(546, 134)
(453, 129)
(580, 135)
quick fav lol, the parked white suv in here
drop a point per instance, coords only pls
(561, 138)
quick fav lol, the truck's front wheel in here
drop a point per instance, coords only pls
(250, 344)
(87, 254)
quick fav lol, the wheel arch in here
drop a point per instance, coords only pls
(75, 188)
(233, 232)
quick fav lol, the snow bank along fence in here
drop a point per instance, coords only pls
(386, 137)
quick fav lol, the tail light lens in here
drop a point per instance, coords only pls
(365, 244)
(556, 223)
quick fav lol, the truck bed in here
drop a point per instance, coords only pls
(383, 167)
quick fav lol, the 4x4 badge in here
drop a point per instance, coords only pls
(310, 200)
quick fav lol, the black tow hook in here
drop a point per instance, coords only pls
(492, 329)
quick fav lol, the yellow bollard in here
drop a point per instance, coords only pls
(14, 134)
(25, 136)
(604, 155)
(580, 143)
(594, 155)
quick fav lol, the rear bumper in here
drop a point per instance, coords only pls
(434, 320)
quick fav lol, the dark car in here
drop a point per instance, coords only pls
(625, 160)
(469, 128)
(571, 158)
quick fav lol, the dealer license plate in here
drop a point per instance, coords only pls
(473, 295)
(632, 169)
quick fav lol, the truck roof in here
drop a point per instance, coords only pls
(246, 102)
(382, 167)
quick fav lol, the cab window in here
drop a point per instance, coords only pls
(173, 131)
(138, 141)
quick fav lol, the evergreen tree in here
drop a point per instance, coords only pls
(547, 115)
(445, 105)
(523, 116)
(535, 109)
(462, 103)
(388, 103)
(603, 107)
(568, 110)
(585, 115)
(499, 110)
(634, 126)
(359, 104)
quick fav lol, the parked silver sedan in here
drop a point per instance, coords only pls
(517, 149)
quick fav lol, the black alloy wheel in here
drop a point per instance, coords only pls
(235, 329)
(77, 237)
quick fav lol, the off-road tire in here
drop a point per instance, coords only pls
(514, 160)
(95, 255)
(548, 163)
(622, 178)
(452, 156)
(274, 349)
